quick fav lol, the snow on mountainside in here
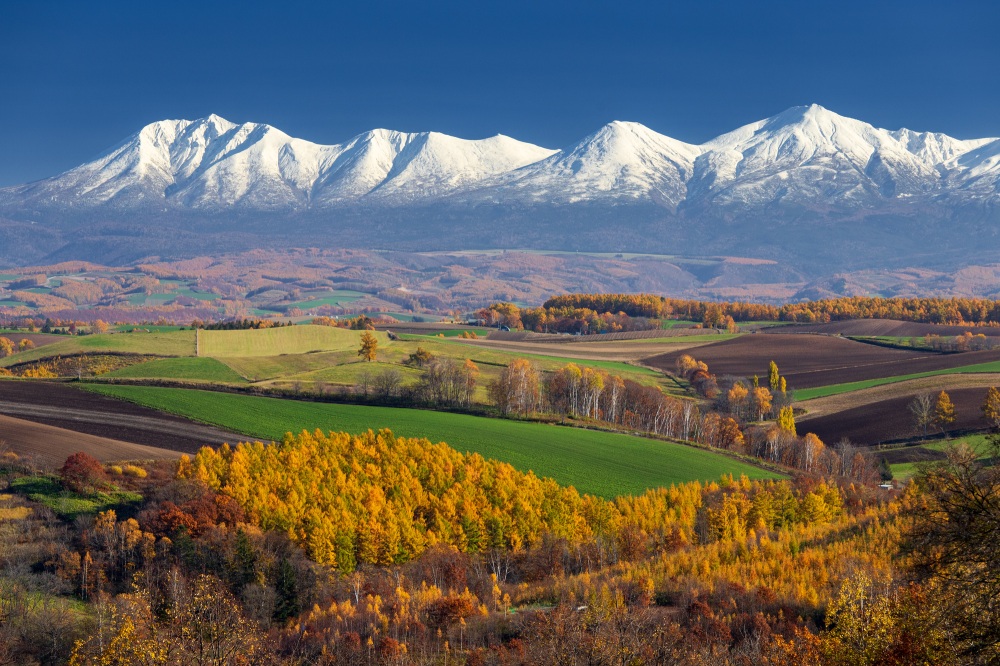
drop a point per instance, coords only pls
(622, 159)
(812, 156)
(212, 163)
(806, 157)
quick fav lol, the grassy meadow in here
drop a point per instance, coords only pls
(595, 462)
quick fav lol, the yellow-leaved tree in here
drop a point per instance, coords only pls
(369, 346)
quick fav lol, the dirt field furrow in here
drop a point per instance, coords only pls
(594, 351)
(934, 385)
(891, 420)
(49, 446)
(65, 407)
(808, 361)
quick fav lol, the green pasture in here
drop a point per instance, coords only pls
(906, 471)
(596, 462)
(276, 341)
(332, 298)
(448, 332)
(184, 368)
(168, 343)
(847, 387)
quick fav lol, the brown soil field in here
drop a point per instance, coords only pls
(888, 327)
(37, 339)
(891, 420)
(625, 350)
(531, 336)
(64, 406)
(808, 361)
(48, 446)
(933, 384)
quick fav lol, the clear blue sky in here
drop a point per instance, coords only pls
(77, 77)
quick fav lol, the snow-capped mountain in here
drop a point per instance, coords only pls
(811, 176)
(621, 160)
(808, 156)
(212, 163)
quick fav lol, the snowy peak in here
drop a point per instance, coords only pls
(806, 156)
(812, 156)
(622, 160)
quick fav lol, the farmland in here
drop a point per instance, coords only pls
(50, 446)
(275, 341)
(170, 343)
(891, 420)
(596, 462)
(186, 368)
(888, 328)
(80, 414)
(813, 361)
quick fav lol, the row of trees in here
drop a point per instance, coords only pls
(595, 394)
(587, 307)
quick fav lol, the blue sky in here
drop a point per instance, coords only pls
(77, 77)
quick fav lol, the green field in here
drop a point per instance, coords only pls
(448, 332)
(342, 367)
(277, 341)
(189, 368)
(331, 298)
(596, 462)
(835, 389)
(172, 343)
(905, 471)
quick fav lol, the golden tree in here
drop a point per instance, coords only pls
(786, 419)
(944, 411)
(774, 378)
(369, 346)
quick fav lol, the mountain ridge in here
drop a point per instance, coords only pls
(214, 163)
(806, 186)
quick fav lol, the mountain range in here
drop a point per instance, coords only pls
(808, 186)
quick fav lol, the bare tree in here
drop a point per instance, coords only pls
(922, 408)
(387, 383)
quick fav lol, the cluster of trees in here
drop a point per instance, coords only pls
(8, 347)
(240, 324)
(974, 311)
(600, 396)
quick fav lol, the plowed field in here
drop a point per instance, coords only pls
(808, 361)
(49, 446)
(65, 407)
(889, 328)
(891, 420)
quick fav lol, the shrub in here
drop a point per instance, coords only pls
(135, 471)
(116, 470)
(83, 473)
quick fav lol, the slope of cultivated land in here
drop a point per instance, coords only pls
(623, 350)
(276, 341)
(596, 462)
(49, 446)
(168, 343)
(887, 328)
(891, 420)
(344, 367)
(894, 388)
(37, 339)
(906, 462)
(64, 406)
(988, 368)
(185, 368)
(811, 361)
